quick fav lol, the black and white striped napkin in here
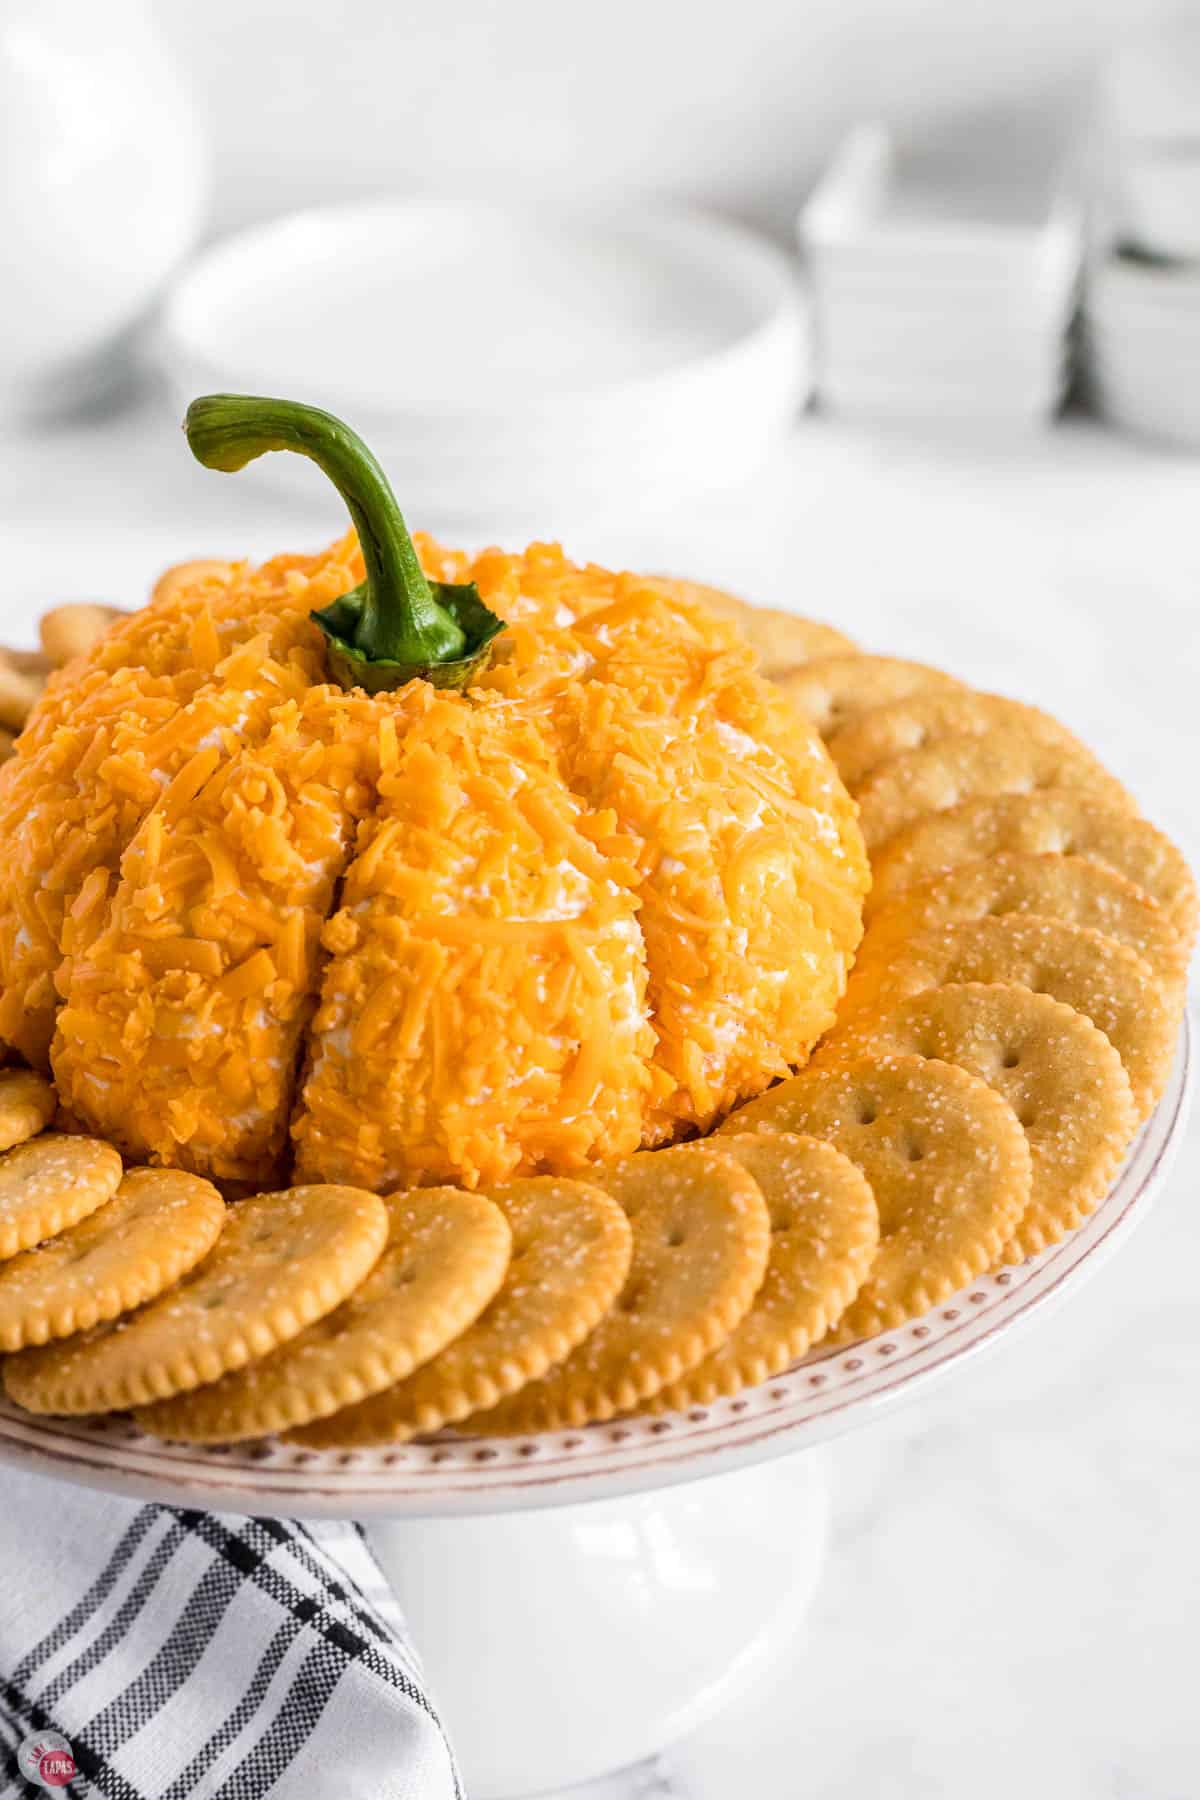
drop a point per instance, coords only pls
(203, 1656)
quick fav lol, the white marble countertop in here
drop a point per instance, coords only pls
(1009, 1604)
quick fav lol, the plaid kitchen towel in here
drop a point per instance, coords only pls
(173, 1655)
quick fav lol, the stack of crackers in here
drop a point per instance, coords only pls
(66, 632)
(1010, 1020)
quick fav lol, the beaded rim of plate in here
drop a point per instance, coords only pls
(828, 1392)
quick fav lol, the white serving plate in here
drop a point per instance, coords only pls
(829, 1392)
(522, 351)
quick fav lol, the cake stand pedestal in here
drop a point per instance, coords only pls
(561, 1644)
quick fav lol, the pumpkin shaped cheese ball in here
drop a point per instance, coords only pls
(396, 866)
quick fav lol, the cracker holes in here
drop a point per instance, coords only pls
(866, 1112)
(1011, 1058)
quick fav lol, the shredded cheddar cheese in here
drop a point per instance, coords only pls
(251, 920)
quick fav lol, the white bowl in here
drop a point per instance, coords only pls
(525, 354)
(1159, 198)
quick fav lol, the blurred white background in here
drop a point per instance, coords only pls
(731, 102)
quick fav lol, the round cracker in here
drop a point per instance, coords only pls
(18, 696)
(159, 1224)
(1058, 1072)
(49, 1184)
(75, 629)
(1100, 978)
(28, 662)
(446, 1255)
(945, 1158)
(1064, 821)
(281, 1261)
(1070, 888)
(824, 1235)
(927, 718)
(701, 1237)
(181, 577)
(836, 690)
(27, 1105)
(944, 774)
(571, 1246)
(782, 639)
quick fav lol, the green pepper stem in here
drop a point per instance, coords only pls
(400, 620)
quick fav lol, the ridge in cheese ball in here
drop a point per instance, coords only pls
(397, 866)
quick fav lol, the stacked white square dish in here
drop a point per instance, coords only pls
(1142, 293)
(944, 279)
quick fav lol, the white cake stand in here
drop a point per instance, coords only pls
(583, 1598)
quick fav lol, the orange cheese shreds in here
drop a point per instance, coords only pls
(484, 1010)
(106, 740)
(183, 1016)
(590, 905)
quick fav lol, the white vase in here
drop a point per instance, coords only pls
(102, 189)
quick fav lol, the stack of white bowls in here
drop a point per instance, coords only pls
(503, 361)
(1142, 296)
(1142, 332)
(939, 295)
